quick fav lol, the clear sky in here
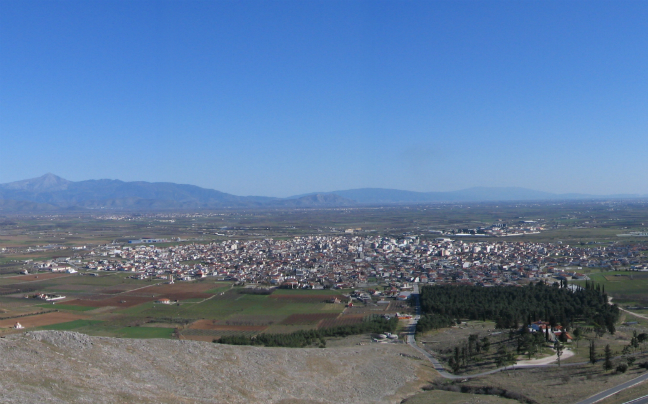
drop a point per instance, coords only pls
(286, 97)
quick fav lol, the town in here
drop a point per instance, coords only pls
(342, 262)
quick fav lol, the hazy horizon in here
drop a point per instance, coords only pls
(288, 98)
(319, 191)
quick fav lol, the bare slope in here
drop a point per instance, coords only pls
(67, 367)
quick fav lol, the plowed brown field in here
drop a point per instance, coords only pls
(340, 321)
(41, 319)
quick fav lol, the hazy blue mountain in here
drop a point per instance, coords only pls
(477, 194)
(320, 200)
(50, 192)
(8, 205)
(46, 183)
(55, 191)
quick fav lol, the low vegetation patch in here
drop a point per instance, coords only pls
(305, 338)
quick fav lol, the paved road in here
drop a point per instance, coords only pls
(439, 367)
(607, 393)
(640, 400)
(444, 373)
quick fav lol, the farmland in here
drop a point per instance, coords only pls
(115, 305)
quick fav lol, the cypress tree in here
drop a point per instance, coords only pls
(592, 352)
(607, 365)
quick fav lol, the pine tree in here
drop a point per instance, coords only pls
(485, 344)
(592, 352)
(607, 365)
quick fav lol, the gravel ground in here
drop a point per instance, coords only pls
(69, 367)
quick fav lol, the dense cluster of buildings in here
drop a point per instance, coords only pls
(499, 229)
(356, 261)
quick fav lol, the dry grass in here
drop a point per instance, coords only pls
(448, 397)
(557, 384)
(626, 395)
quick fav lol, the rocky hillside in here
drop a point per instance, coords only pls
(67, 367)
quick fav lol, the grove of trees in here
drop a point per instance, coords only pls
(514, 306)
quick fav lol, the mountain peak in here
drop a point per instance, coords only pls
(44, 183)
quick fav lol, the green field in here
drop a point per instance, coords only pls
(626, 287)
(67, 307)
(221, 287)
(145, 332)
(232, 304)
(73, 325)
(224, 305)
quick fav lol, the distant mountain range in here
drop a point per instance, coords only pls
(476, 194)
(50, 193)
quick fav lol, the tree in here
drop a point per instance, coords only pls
(609, 323)
(454, 365)
(511, 359)
(558, 346)
(592, 352)
(563, 336)
(472, 340)
(532, 349)
(485, 344)
(457, 358)
(642, 338)
(500, 359)
(631, 360)
(464, 355)
(607, 364)
(578, 334)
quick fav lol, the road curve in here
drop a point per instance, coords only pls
(411, 332)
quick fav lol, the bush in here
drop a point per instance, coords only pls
(622, 367)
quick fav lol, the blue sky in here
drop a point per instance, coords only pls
(286, 97)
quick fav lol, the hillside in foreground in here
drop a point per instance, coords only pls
(68, 367)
